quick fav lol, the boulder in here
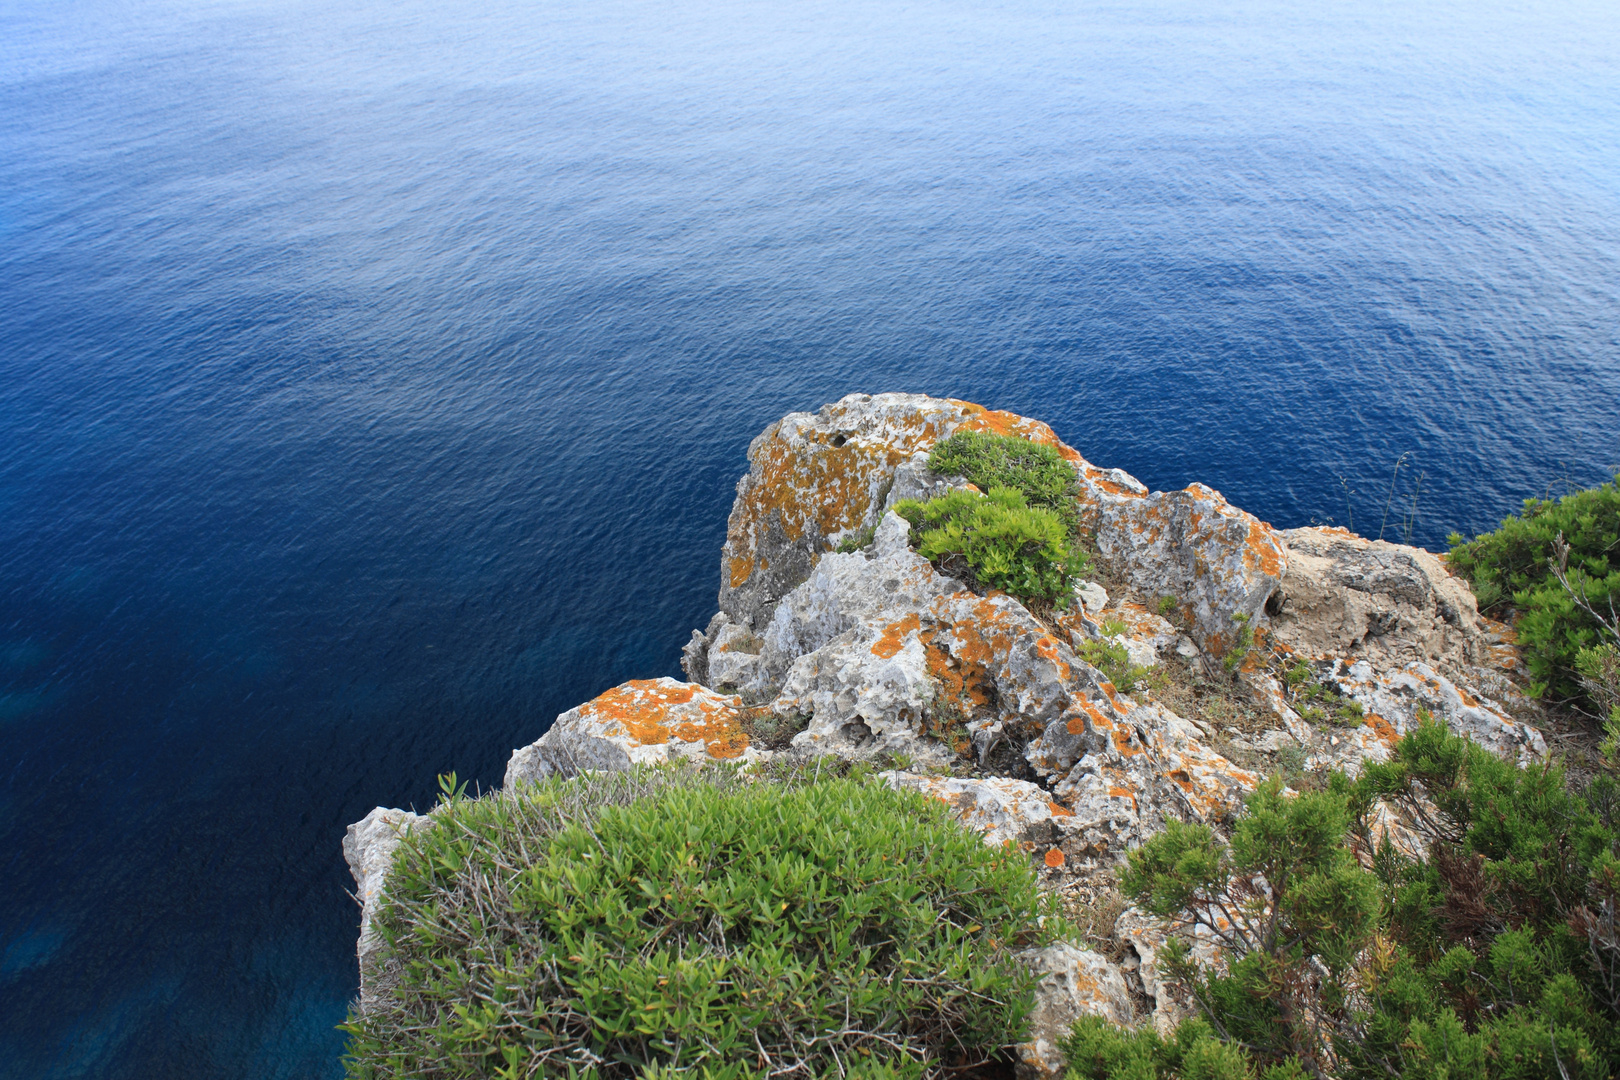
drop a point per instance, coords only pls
(1386, 603)
(642, 721)
(1074, 982)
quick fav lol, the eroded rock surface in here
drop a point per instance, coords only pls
(1074, 982)
(640, 722)
(369, 847)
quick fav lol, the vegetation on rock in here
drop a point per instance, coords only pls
(1007, 544)
(991, 461)
(1516, 565)
(629, 925)
(1495, 954)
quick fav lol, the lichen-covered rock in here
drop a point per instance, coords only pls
(1392, 701)
(1074, 982)
(814, 479)
(368, 847)
(643, 721)
(1005, 810)
(1144, 937)
(1214, 559)
(1386, 603)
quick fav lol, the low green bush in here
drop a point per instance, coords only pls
(1006, 543)
(1002, 461)
(1496, 956)
(1511, 566)
(714, 928)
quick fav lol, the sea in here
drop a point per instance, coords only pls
(375, 377)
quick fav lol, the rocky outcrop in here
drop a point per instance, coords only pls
(369, 847)
(1385, 603)
(874, 652)
(641, 722)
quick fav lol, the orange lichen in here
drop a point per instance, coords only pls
(1383, 729)
(1054, 858)
(1059, 810)
(652, 713)
(894, 636)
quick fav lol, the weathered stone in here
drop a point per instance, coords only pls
(814, 479)
(368, 847)
(1006, 811)
(643, 721)
(1391, 702)
(1074, 982)
(1217, 561)
(1145, 936)
(1386, 603)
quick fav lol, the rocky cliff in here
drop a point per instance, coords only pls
(874, 653)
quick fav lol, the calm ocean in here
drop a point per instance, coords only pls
(374, 376)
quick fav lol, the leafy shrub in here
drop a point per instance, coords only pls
(711, 927)
(1006, 543)
(1001, 461)
(1496, 956)
(1114, 661)
(1512, 564)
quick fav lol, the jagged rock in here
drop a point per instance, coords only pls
(1144, 936)
(643, 721)
(814, 479)
(368, 847)
(1387, 603)
(1074, 982)
(1216, 560)
(1006, 811)
(1091, 597)
(1391, 702)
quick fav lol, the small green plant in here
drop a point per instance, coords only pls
(1004, 542)
(1242, 643)
(1167, 605)
(1112, 659)
(856, 541)
(707, 928)
(1002, 461)
(1518, 565)
(1113, 627)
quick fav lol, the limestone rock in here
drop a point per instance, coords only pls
(368, 847)
(814, 479)
(1074, 982)
(1216, 560)
(642, 721)
(1144, 936)
(1387, 603)
(1391, 701)
(1006, 811)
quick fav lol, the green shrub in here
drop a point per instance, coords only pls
(1511, 564)
(1002, 461)
(707, 927)
(1496, 956)
(1112, 659)
(1006, 543)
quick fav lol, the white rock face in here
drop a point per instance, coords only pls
(640, 722)
(369, 847)
(1074, 982)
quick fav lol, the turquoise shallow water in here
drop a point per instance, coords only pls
(374, 377)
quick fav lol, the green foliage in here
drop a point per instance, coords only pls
(702, 926)
(1167, 604)
(1496, 956)
(1001, 461)
(1114, 661)
(1006, 543)
(857, 540)
(1512, 564)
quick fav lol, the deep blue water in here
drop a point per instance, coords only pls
(374, 376)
